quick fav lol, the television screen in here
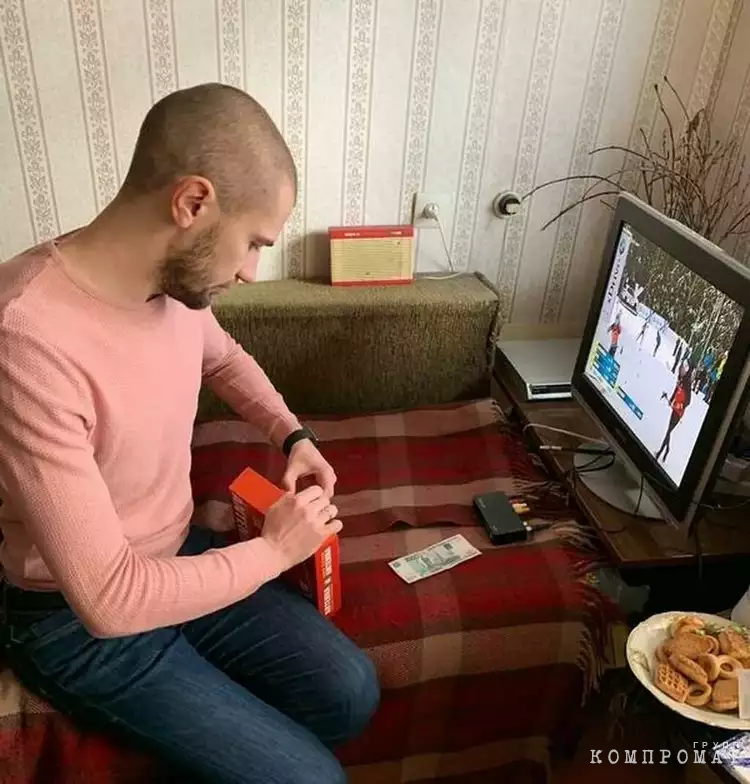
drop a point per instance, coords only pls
(661, 341)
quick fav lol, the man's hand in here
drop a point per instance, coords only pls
(305, 460)
(297, 524)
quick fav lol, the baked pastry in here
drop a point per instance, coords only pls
(699, 695)
(690, 669)
(729, 667)
(734, 644)
(686, 623)
(688, 643)
(726, 695)
(710, 664)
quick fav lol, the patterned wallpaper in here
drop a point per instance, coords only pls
(730, 101)
(377, 99)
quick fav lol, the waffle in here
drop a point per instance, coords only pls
(674, 684)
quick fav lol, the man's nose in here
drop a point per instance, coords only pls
(247, 273)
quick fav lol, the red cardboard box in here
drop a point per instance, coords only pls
(319, 576)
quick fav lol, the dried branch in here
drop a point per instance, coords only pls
(579, 202)
(735, 225)
(665, 114)
(571, 178)
(687, 174)
(677, 96)
(723, 202)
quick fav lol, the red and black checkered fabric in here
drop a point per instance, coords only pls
(484, 668)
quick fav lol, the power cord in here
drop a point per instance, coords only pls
(566, 485)
(702, 505)
(693, 532)
(574, 450)
(591, 467)
(561, 431)
(432, 211)
(640, 494)
(651, 477)
(699, 558)
(638, 503)
(567, 481)
(537, 528)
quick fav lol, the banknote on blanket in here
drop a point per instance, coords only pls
(434, 559)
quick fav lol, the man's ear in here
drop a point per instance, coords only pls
(191, 198)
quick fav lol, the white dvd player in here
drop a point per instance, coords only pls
(541, 369)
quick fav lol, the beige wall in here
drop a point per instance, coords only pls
(731, 105)
(378, 99)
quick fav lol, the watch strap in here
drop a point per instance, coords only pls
(295, 436)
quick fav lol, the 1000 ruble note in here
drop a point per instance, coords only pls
(434, 559)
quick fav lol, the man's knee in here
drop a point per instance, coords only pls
(334, 775)
(322, 768)
(359, 692)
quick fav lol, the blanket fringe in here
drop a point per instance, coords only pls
(589, 664)
(599, 613)
(497, 410)
(583, 547)
(533, 482)
(575, 535)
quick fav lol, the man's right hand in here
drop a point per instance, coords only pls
(298, 524)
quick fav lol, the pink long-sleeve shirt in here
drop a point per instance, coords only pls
(97, 405)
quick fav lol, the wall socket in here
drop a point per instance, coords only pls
(444, 202)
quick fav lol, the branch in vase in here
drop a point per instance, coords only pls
(578, 203)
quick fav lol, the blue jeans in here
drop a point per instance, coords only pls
(261, 691)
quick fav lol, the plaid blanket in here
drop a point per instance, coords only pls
(484, 668)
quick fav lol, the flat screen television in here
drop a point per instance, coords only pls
(664, 363)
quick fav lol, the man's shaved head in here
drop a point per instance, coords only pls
(216, 132)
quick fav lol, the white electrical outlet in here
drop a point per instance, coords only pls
(444, 203)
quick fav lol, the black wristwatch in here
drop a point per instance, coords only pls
(298, 435)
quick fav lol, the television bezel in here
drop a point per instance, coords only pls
(679, 503)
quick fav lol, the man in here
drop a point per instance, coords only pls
(644, 327)
(615, 328)
(678, 401)
(118, 612)
(658, 339)
(715, 374)
(677, 353)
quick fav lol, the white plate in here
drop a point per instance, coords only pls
(640, 652)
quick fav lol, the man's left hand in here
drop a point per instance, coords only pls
(305, 460)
